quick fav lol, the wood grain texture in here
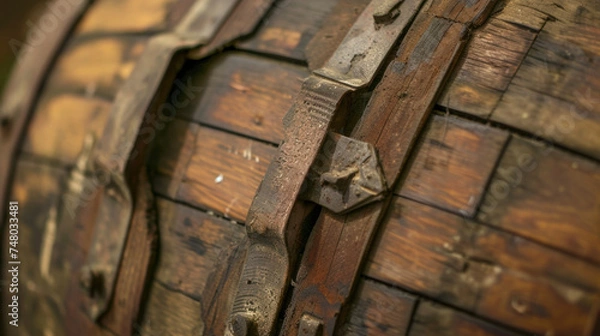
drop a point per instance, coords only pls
(224, 173)
(497, 275)
(171, 155)
(332, 32)
(435, 320)
(552, 95)
(379, 310)
(453, 164)
(132, 16)
(243, 93)
(95, 66)
(219, 293)
(221, 172)
(242, 22)
(546, 195)
(487, 67)
(170, 313)
(137, 264)
(533, 67)
(20, 97)
(194, 239)
(61, 117)
(396, 113)
(523, 13)
(289, 27)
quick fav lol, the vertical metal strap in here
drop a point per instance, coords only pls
(397, 111)
(274, 219)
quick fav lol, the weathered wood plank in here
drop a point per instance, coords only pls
(136, 266)
(132, 16)
(222, 171)
(487, 67)
(289, 28)
(533, 13)
(489, 273)
(37, 188)
(95, 66)
(63, 117)
(453, 164)
(21, 95)
(332, 32)
(242, 22)
(170, 313)
(379, 310)
(546, 195)
(171, 155)
(192, 238)
(552, 94)
(243, 93)
(436, 320)
(396, 113)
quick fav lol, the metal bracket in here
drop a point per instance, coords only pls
(310, 326)
(345, 176)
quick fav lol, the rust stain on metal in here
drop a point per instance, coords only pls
(345, 176)
(366, 45)
(271, 227)
(387, 12)
(393, 118)
(310, 326)
(275, 218)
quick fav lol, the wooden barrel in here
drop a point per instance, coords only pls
(485, 116)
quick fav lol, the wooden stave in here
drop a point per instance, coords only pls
(500, 136)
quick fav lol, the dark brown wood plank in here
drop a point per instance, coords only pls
(552, 94)
(221, 171)
(487, 67)
(453, 164)
(396, 113)
(332, 32)
(496, 275)
(546, 195)
(136, 266)
(192, 238)
(170, 313)
(242, 22)
(243, 93)
(379, 310)
(171, 155)
(224, 172)
(435, 320)
(289, 28)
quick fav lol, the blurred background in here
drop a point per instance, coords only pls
(14, 16)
